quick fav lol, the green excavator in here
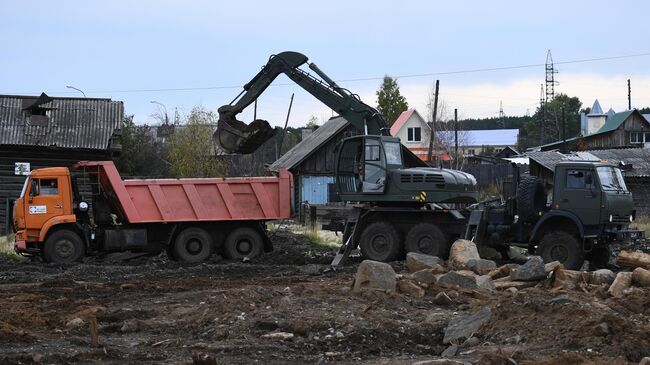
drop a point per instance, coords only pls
(402, 202)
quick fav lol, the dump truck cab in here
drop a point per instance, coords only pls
(46, 202)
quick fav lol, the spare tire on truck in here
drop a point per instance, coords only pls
(531, 198)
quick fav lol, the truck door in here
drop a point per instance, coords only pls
(579, 195)
(44, 200)
(374, 169)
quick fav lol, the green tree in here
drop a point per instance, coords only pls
(192, 152)
(551, 119)
(390, 102)
(312, 122)
(141, 154)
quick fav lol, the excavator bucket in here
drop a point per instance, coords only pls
(235, 136)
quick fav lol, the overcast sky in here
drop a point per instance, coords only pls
(126, 50)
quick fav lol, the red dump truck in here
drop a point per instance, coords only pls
(64, 215)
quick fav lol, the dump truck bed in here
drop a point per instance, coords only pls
(203, 199)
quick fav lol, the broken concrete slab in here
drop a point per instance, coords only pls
(641, 277)
(481, 266)
(418, 261)
(602, 276)
(569, 279)
(465, 326)
(461, 252)
(633, 259)
(532, 270)
(374, 275)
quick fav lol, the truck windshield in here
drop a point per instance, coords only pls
(22, 193)
(611, 178)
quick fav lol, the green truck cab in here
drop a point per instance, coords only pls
(588, 208)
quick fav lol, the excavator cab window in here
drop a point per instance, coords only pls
(374, 171)
(350, 165)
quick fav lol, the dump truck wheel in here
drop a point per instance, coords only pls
(428, 239)
(243, 242)
(192, 245)
(563, 247)
(380, 241)
(531, 198)
(63, 247)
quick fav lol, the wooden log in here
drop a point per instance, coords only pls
(641, 277)
(633, 259)
(94, 334)
(623, 281)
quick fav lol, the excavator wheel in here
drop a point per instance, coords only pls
(428, 239)
(380, 241)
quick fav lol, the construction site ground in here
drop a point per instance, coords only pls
(150, 310)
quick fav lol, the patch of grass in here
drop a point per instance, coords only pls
(7, 248)
(319, 239)
(642, 222)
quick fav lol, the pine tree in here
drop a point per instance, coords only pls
(390, 102)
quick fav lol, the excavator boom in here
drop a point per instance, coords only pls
(235, 136)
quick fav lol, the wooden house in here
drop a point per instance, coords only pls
(42, 131)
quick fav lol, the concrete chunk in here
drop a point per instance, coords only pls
(622, 282)
(532, 270)
(461, 252)
(481, 266)
(418, 261)
(374, 275)
(465, 326)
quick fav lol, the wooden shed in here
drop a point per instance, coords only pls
(42, 131)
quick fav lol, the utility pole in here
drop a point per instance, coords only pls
(278, 150)
(502, 115)
(456, 136)
(433, 126)
(550, 78)
(629, 95)
(543, 116)
(564, 146)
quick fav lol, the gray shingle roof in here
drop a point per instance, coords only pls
(310, 144)
(639, 158)
(73, 122)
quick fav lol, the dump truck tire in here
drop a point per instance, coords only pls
(63, 247)
(243, 242)
(192, 245)
(428, 239)
(380, 241)
(531, 198)
(563, 247)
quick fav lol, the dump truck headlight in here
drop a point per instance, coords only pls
(631, 218)
(611, 218)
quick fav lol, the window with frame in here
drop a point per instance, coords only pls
(639, 137)
(579, 179)
(414, 134)
(48, 187)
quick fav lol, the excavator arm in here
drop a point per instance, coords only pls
(235, 136)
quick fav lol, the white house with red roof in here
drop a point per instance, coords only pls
(414, 133)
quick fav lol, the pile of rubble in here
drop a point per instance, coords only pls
(466, 272)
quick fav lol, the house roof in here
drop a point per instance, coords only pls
(85, 123)
(399, 122)
(638, 158)
(484, 137)
(309, 145)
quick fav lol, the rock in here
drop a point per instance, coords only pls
(461, 252)
(279, 336)
(130, 325)
(75, 323)
(500, 272)
(602, 276)
(471, 342)
(551, 266)
(481, 266)
(517, 285)
(203, 359)
(569, 279)
(485, 282)
(512, 290)
(602, 330)
(37, 358)
(437, 362)
(489, 253)
(425, 276)
(410, 288)
(533, 270)
(516, 256)
(373, 275)
(442, 299)
(465, 326)
(514, 340)
(463, 279)
(417, 261)
(641, 277)
(622, 281)
(450, 351)
(645, 361)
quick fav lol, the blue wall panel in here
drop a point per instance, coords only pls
(314, 188)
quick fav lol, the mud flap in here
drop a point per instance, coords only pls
(235, 136)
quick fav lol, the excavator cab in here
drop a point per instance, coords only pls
(363, 164)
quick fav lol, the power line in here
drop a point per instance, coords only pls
(468, 71)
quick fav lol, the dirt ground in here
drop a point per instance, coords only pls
(153, 311)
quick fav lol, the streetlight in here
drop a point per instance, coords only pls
(72, 87)
(164, 107)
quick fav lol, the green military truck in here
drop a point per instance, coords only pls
(588, 207)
